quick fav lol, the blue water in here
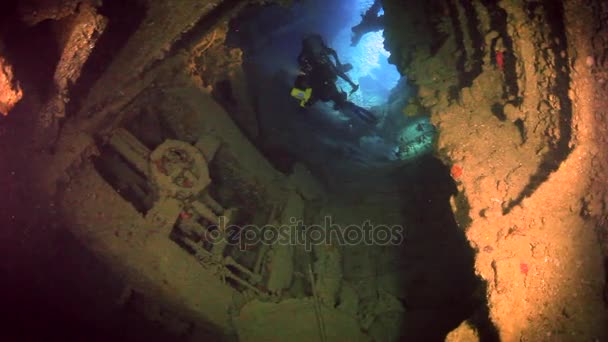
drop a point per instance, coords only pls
(278, 42)
(369, 58)
(271, 38)
(371, 70)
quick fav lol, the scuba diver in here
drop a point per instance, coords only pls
(318, 76)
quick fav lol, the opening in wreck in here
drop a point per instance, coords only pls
(235, 179)
(272, 40)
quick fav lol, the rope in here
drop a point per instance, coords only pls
(317, 305)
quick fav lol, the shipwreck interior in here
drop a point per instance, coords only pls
(197, 170)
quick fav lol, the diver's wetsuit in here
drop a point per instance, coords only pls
(320, 74)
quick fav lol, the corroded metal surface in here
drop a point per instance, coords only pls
(85, 26)
(10, 91)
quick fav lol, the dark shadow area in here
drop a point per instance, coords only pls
(519, 123)
(206, 23)
(70, 296)
(561, 148)
(132, 186)
(34, 53)
(498, 23)
(481, 318)
(454, 92)
(55, 289)
(477, 41)
(606, 281)
(8, 8)
(48, 291)
(444, 289)
(150, 127)
(498, 111)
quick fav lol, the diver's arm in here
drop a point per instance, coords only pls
(304, 63)
(340, 71)
(345, 77)
(301, 60)
(335, 55)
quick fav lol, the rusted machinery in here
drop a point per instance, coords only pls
(178, 172)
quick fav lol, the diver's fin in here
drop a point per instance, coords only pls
(363, 114)
(346, 67)
(367, 116)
